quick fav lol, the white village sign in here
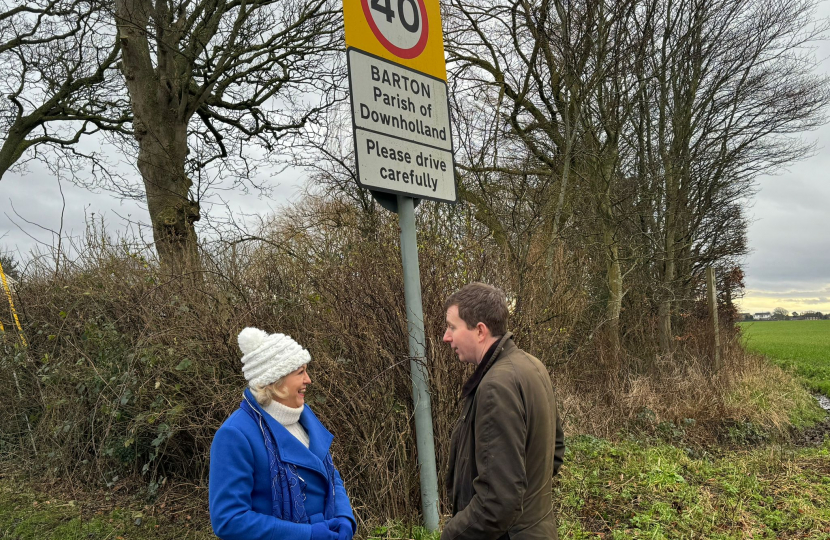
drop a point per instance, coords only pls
(402, 136)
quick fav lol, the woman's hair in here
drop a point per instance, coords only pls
(270, 392)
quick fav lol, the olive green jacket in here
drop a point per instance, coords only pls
(505, 450)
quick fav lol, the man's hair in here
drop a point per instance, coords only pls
(479, 302)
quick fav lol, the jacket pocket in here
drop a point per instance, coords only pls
(460, 485)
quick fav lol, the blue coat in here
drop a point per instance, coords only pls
(240, 479)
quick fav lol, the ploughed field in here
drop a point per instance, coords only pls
(802, 347)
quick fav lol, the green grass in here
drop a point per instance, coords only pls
(631, 490)
(625, 490)
(29, 514)
(803, 347)
(398, 531)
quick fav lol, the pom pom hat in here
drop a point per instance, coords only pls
(269, 357)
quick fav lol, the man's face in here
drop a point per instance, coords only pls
(464, 341)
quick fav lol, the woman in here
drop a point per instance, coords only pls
(271, 473)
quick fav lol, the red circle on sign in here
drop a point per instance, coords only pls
(413, 51)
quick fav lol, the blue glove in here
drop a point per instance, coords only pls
(342, 526)
(321, 531)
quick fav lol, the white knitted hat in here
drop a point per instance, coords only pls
(269, 357)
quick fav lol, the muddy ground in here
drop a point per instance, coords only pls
(815, 435)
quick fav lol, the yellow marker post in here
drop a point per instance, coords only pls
(23, 341)
(11, 305)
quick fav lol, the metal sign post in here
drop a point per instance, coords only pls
(417, 362)
(404, 153)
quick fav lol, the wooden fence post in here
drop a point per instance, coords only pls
(712, 296)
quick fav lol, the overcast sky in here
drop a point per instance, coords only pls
(789, 265)
(789, 236)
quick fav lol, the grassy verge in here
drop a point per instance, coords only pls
(606, 490)
(631, 490)
(29, 513)
(668, 480)
(802, 347)
(765, 404)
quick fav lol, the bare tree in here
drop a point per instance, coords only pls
(214, 86)
(642, 123)
(58, 81)
(780, 313)
(729, 92)
(557, 75)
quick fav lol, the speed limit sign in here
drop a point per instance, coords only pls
(398, 92)
(407, 32)
(403, 28)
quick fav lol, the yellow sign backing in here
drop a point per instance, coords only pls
(406, 32)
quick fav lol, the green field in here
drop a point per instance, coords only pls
(800, 346)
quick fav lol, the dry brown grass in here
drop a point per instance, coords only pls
(748, 390)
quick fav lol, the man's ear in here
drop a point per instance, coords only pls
(483, 331)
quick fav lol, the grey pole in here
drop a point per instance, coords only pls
(417, 361)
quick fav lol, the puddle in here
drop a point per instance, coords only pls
(816, 435)
(823, 401)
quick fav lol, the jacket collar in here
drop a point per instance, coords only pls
(487, 362)
(290, 449)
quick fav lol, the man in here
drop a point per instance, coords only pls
(508, 442)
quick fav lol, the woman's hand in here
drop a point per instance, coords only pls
(342, 526)
(321, 531)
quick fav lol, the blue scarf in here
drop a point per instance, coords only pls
(287, 487)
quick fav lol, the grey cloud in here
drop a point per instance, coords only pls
(789, 235)
(790, 232)
(36, 198)
(791, 294)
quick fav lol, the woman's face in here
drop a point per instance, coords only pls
(293, 388)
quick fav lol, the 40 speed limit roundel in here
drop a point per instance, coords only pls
(406, 32)
(401, 26)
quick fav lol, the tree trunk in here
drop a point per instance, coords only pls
(161, 162)
(615, 293)
(664, 311)
(159, 100)
(613, 269)
(712, 297)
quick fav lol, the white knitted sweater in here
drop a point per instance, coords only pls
(289, 418)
